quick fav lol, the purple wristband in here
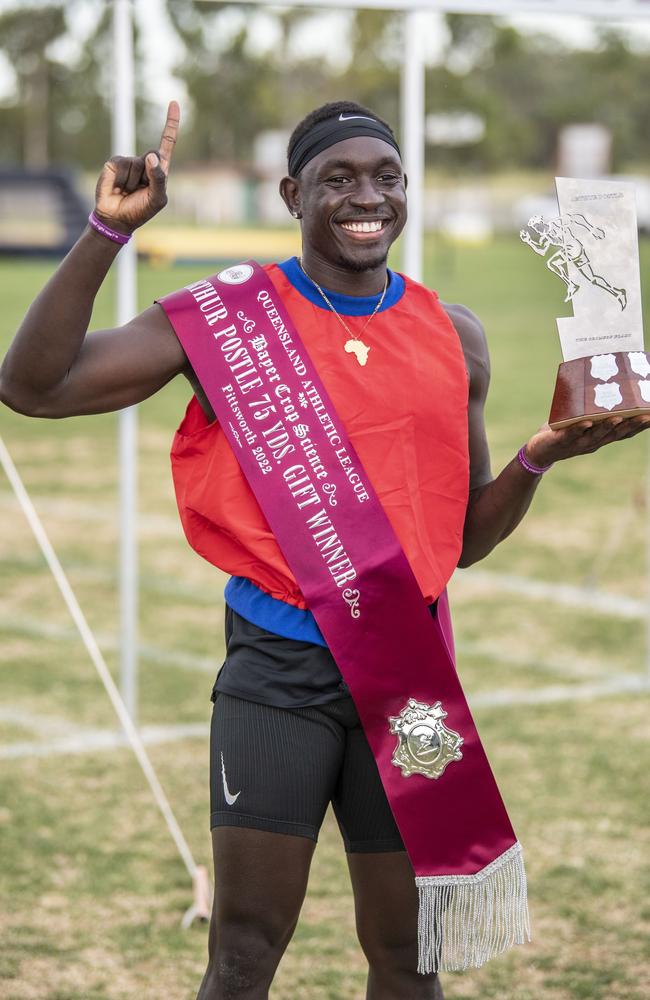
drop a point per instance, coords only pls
(103, 230)
(534, 470)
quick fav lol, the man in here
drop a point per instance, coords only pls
(286, 737)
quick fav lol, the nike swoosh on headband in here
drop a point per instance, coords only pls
(230, 798)
(349, 118)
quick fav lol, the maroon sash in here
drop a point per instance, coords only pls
(397, 661)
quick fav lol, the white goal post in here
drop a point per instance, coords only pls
(612, 10)
(413, 111)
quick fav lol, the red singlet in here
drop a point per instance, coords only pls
(406, 415)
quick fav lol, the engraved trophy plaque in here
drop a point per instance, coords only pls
(592, 247)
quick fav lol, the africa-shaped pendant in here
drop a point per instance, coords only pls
(359, 349)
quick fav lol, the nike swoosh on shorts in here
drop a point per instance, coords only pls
(229, 797)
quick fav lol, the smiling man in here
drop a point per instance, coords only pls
(385, 486)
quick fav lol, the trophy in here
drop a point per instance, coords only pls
(592, 246)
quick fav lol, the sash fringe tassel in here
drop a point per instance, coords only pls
(465, 920)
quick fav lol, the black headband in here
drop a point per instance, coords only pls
(326, 133)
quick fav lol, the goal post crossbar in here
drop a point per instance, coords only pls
(611, 10)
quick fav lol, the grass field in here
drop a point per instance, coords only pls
(92, 889)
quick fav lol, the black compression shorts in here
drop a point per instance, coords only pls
(277, 769)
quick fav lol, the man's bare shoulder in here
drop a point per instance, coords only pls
(157, 323)
(152, 331)
(472, 338)
(154, 322)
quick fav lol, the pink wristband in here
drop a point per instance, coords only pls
(535, 470)
(103, 230)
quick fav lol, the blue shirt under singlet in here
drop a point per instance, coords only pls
(243, 596)
(271, 614)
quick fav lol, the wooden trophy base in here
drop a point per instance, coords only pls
(601, 386)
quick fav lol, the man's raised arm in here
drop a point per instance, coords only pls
(52, 369)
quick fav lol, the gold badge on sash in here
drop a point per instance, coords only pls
(425, 745)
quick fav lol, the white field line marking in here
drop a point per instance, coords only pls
(631, 684)
(566, 594)
(580, 669)
(66, 508)
(35, 629)
(169, 586)
(576, 668)
(108, 644)
(48, 725)
(70, 509)
(176, 658)
(98, 740)
(95, 740)
(587, 598)
(98, 661)
(569, 665)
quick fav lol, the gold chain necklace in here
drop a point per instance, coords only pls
(354, 345)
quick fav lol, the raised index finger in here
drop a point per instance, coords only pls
(169, 134)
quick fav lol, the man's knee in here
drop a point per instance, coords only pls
(392, 972)
(256, 907)
(396, 954)
(393, 959)
(243, 959)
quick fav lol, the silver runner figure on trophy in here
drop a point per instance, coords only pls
(557, 234)
(591, 244)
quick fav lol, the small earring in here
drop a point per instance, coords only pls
(296, 215)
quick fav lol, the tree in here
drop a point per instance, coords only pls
(62, 111)
(373, 74)
(236, 92)
(81, 100)
(24, 37)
